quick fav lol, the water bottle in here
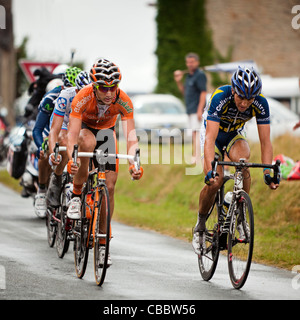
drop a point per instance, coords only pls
(227, 201)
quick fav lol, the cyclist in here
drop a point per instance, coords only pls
(228, 110)
(58, 132)
(41, 131)
(92, 120)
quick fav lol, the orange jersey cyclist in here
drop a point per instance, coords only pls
(229, 108)
(91, 125)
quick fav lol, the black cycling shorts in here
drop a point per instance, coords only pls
(106, 141)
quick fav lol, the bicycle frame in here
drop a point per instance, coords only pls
(238, 182)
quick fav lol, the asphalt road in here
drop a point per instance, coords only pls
(146, 266)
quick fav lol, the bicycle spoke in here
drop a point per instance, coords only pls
(101, 240)
(208, 259)
(240, 242)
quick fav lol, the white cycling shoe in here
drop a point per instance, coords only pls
(74, 209)
(40, 206)
(101, 257)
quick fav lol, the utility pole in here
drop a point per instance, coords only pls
(7, 60)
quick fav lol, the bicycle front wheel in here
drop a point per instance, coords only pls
(81, 246)
(208, 259)
(241, 241)
(102, 236)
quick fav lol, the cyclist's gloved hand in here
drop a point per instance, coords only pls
(136, 175)
(72, 167)
(52, 161)
(269, 180)
(209, 176)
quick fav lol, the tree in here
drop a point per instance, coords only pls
(181, 28)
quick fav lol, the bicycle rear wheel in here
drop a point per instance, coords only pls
(51, 225)
(81, 247)
(208, 260)
(102, 236)
(241, 241)
(62, 242)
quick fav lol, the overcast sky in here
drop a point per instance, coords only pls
(123, 31)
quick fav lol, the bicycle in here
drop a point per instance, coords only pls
(93, 230)
(233, 231)
(59, 229)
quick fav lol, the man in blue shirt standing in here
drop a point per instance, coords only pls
(194, 91)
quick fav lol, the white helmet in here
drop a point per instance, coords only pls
(60, 69)
(53, 84)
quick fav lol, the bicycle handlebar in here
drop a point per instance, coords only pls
(135, 158)
(100, 155)
(243, 164)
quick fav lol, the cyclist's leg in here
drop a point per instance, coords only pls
(239, 148)
(206, 200)
(107, 142)
(53, 194)
(86, 143)
(40, 198)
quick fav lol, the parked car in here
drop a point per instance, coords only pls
(282, 121)
(159, 115)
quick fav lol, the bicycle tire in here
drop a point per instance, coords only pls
(208, 260)
(62, 242)
(241, 240)
(81, 247)
(51, 228)
(100, 269)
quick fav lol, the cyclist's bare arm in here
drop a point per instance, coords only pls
(212, 130)
(266, 148)
(73, 135)
(132, 144)
(53, 135)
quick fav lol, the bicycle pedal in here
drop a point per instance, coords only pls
(71, 237)
(53, 223)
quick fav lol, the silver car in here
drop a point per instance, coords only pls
(159, 116)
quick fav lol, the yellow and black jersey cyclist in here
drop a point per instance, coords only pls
(229, 109)
(223, 109)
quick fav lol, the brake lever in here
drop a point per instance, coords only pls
(214, 165)
(56, 149)
(137, 159)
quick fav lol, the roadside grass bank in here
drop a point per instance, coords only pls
(166, 200)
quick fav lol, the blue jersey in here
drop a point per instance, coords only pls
(46, 107)
(222, 109)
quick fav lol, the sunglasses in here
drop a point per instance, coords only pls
(105, 89)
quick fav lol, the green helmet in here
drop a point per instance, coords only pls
(70, 76)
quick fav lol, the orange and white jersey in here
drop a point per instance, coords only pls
(86, 107)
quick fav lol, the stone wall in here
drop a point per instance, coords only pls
(260, 30)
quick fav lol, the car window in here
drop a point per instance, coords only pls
(160, 108)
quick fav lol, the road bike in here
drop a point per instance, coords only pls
(233, 231)
(59, 228)
(93, 229)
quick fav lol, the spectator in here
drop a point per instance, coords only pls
(194, 92)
